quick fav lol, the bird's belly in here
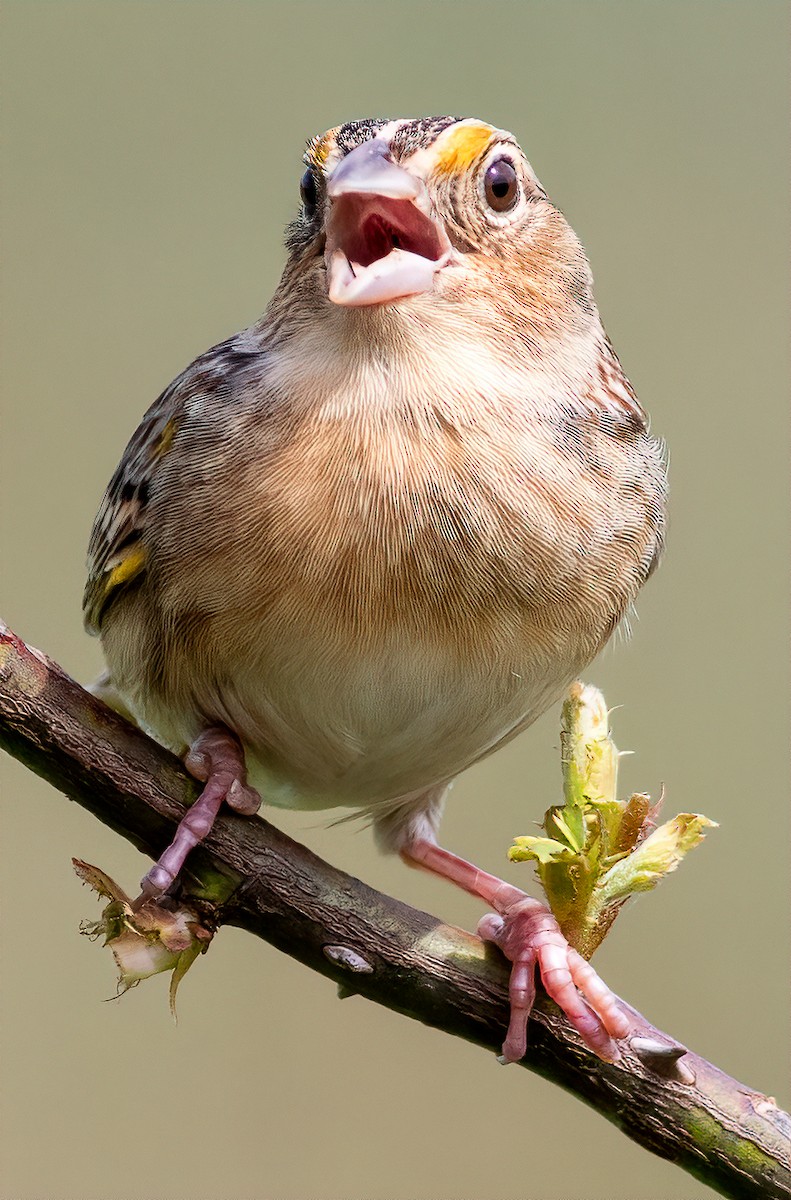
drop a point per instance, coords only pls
(326, 724)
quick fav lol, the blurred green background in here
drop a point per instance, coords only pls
(151, 158)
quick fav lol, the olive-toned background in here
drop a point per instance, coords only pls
(151, 157)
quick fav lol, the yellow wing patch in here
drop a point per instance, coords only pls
(100, 588)
(132, 565)
(460, 146)
(166, 438)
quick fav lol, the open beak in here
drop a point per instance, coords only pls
(382, 241)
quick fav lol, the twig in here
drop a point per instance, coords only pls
(667, 1099)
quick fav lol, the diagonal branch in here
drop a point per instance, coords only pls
(673, 1103)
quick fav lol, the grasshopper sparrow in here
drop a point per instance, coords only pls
(363, 543)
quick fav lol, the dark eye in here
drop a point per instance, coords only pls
(308, 193)
(501, 185)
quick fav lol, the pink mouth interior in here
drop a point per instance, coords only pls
(368, 228)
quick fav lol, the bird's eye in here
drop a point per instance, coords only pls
(308, 193)
(501, 185)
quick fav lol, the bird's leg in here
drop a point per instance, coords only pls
(216, 757)
(529, 936)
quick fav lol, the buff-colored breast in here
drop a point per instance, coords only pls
(395, 583)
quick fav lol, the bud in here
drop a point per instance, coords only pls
(599, 850)
(167, 936)
(589, 756)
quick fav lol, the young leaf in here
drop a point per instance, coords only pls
(538, 849)
(654, 858)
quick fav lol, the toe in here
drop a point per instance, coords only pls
(242, 798)
(521, 993)
(603, 1002)
(198, 763)
(490, 928)
(529, 935)
(556, 976)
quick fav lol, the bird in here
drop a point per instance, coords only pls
(363, 543)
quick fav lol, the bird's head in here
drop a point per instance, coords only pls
(430, 213)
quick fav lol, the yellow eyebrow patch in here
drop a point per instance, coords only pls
(460, 146)
(132, 565)
(319, 147)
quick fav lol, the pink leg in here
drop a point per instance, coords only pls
(529, 936)
(216, 757)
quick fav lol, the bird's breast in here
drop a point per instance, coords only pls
(385, 596)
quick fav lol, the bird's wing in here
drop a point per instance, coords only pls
(117, 548)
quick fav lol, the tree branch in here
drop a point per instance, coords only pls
(682, 1108)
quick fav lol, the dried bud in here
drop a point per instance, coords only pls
(158, 937)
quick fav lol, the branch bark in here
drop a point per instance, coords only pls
(684, 1109)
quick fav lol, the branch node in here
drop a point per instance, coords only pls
(663, 1058)
(349, 959)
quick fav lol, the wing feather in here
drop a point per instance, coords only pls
(117, 553)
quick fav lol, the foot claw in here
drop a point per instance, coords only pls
(198, 763)
(243, 799)
(528, 935)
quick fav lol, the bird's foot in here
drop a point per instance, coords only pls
(216, 758)
(529, 936)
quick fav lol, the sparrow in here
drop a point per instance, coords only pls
(361, 544)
